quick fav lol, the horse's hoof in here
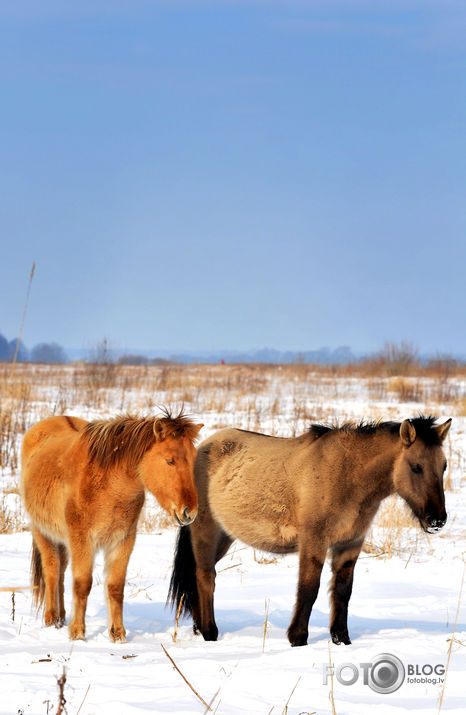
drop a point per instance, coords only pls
(298, 642)
(210, 633)
(298, 639)
(51, 619)
(117, 635)
(339, 638)
(76, 634)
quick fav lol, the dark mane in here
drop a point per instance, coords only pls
(126, 437)
(317, 431)
(423, 424)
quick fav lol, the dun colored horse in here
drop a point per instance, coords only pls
(83, 485)
(311, 494)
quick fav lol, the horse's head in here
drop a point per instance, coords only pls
(167, 470)
(419, 469)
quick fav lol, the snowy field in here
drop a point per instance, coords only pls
(404, 603)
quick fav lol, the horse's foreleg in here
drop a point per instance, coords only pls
(311, 561)
(51, 567)
(116, 564)
(82, 561)
(343, 561)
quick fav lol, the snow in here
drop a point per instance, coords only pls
(404, 610)
(404, 605)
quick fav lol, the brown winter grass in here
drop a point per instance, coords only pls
(392, 385)
(392, 533)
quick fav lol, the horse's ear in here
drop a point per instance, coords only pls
(197, 428)
(159, 430)
(407, 433)
(442, 430)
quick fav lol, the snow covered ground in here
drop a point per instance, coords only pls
(404, 606)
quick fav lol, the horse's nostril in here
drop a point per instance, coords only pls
(434, 523)
(185, 517)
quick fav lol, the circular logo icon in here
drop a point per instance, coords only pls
(387, 673)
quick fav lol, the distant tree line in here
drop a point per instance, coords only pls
(42, 352)
(101, 354)
(394, 358)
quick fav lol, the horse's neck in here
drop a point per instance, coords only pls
(377, 454)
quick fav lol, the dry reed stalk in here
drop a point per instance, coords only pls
(18, 342)
(13, 590)
(332, 700)
(142, 590)
(212, 700)
(448, 480)
(285, 709)
(82, 701)
(61, 693)
(177, 618)
(266, 622)
(207, 706)
(412, 552)
(227, 568)
(452, 640)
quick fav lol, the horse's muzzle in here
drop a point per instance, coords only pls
(186, 517)
(432, 524)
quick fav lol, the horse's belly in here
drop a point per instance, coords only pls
(241, 512)
(261, 534)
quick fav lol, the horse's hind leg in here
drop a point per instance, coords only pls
(209, 543)
(82, 561)
(116, 564)
(49, 554)
(63, 555)
(344, 558)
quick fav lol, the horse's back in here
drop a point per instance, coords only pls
(49, 428)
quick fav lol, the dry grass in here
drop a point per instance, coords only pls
(394, 531)
(460, 407)
(10, 522)
(279, 399)
(154, 520)
(407, 389)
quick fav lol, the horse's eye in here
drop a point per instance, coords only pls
(170, 461)
(416, 468)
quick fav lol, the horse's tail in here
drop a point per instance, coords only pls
(37, 577)
(183, 583)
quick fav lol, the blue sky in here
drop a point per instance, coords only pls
(234, 175)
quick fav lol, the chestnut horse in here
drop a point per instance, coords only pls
(311, 494)
(83, 485)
